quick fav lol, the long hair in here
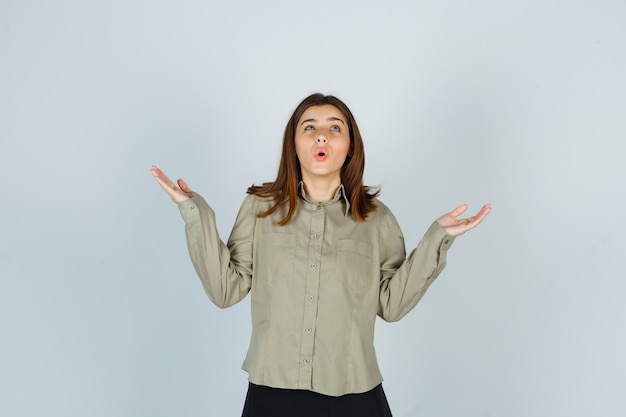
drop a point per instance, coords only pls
(285, 188)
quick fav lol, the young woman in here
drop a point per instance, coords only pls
(322, 257)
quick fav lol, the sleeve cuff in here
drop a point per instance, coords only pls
(438, 236)
(190, 209)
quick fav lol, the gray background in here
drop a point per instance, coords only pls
(520, 104)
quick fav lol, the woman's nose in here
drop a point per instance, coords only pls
(321, 138)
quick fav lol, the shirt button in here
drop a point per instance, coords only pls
(316, 236)
(191, 206)
(314, 266)
(309, 330)
(311, 298)
(445, 242)
(306, 361)
(318, 207)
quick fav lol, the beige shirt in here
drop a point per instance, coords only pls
(317, 285)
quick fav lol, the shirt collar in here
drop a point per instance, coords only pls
(340, 194)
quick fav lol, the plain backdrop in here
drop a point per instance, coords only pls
(521, 104)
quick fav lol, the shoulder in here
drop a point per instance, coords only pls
(382, 211)
(256, 204)
(382, 217)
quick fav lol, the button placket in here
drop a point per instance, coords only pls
(314, 253)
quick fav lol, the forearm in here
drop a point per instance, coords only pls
(402, 289)
(225, 275)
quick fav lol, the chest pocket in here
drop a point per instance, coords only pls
(275, 258)
(354, 263)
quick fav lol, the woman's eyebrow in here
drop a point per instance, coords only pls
(330, 119)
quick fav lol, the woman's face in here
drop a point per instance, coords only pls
(322, 143)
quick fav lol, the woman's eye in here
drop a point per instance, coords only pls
(335, 129)
(309, 127)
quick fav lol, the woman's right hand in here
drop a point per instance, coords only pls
(178, 193)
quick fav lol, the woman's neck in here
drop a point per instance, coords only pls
(320, 190)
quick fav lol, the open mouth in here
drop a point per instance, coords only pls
(321, 154)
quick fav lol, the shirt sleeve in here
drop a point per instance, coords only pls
(224, 269)
(405, 280)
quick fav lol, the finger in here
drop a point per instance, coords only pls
(162, 178)
(478, 218)
(458, 211)
(183, 186)
(167, 185)
(483, 212)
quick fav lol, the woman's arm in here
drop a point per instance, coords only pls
(404, 280)
(225, 270)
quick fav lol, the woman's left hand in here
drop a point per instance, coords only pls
(456, 227)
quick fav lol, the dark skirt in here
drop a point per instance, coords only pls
(262, 401)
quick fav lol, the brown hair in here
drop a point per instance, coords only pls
(285, 188)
